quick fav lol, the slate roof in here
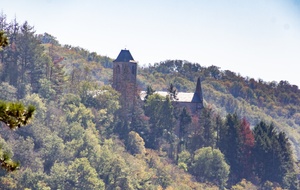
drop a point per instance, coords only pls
(181, 96)
(124, 56)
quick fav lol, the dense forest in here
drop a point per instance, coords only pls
(246, 137)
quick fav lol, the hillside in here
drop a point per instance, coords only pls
(79, 140)
(71, 143)
(229, 92)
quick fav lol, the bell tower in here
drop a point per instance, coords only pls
(124, 80)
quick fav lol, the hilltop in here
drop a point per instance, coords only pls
(80, 141)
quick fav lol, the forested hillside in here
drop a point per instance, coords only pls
(228, 92)
(79, 140)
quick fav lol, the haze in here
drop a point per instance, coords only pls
(256, 38)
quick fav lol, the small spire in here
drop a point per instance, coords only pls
(199, 89)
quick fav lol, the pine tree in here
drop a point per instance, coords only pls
(247, 144)
(14, 115)
(149, 92)
(3, 40)
(230, 145)
(272, 156)
(172, 92)
(185, 120)
(206, 122)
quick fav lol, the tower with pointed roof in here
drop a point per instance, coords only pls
(124, 80)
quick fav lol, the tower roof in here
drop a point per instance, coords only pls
(199, 89)
(124, 56)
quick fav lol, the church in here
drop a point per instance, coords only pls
(124, 81)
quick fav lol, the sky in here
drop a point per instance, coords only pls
(255, 38)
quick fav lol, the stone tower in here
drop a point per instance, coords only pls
(124, 81)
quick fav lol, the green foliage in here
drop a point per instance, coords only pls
(135, 144)
(6, 163)
(244, 184)
(72, 142)
(15, 115)
(58, 176)
(162, 121)
(185, 121)
(208, 125)
(184, 160)
(82, 176)
(210, 165)
(230, 144)
(150, 91)
(273, 156)
(3, 40)
(46, 91)
(7, 92)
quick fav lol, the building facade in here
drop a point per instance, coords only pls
(124, 81)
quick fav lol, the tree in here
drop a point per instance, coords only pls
(153, 111)
(172, 92)
(287, 173)
(105, 104)
(58, 176)
(185, 120)
(7, 92)
(14, 115)
(206, 122)
(53, 150)
(273, 156)
(149, 92)
(195, 135)
(3, 40)
(135, 144)
(247, 144)
(230, 143)
(82, 176)
(210, 165)
(219, 126)
(139, 122)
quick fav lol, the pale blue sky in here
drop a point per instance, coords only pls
(256, 38)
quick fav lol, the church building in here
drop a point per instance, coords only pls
(124, 81)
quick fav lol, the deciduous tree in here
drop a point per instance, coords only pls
(209, 165)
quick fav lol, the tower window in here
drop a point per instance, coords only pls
(133, 69)
(118, 69)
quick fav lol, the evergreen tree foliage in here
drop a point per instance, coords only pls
(230, 144)
(161, 123)
(82, 176)
(195, 140)
(149, 92)
(247, 144)
(140, 122)
(3, 40)
(172, 92)
(273, 156)
(24, 63)
(14, 115)
(185, 121)
(208, 125)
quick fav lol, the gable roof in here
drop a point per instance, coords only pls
(181, 96)
(124, 56)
